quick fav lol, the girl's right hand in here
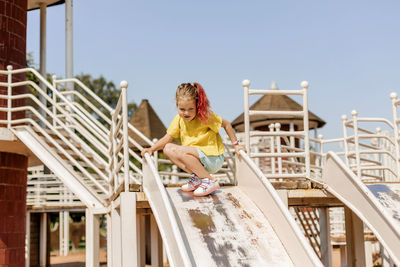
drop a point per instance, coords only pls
(146, 150)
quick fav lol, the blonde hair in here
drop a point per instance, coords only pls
(195, 91)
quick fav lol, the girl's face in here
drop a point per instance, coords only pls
(187, 108)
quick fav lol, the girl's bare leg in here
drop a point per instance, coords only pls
(187, 158)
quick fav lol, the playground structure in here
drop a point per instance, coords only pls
(89, 150)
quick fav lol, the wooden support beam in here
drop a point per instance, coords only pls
(354, 239)
(109, 240)
(325, 237)
(43, 240)
(92, 223)
(141, 237)
(116, 237)
(128, 229)
(156, 244)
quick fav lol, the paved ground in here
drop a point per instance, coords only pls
(75, 259)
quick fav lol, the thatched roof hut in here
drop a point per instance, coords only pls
(146, 120)
(276, 103)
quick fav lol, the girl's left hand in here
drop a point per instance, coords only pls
(238, 148)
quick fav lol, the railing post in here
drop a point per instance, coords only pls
(113, 163)
(304, 85)
(9, 94)
(54, 77)
(246, 86)
(174, 178)
(346, 148)
(124, 86)
(393, 96)
(379, 144)
(272, 147)
(356, 142)
(321, 150)
(155, 154)
(278, 147)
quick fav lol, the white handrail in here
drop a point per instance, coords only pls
(275, 152)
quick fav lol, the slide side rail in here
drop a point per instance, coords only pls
(253, 182)
(177, 250)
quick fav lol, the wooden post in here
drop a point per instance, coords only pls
(128, 229)
(343, 256)
(141, 238)
(92, 223)
(116, 236)
(325, 236)
(156, 244)
(109, 240)
(43, 240)
(354, 239)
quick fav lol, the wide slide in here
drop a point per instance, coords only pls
(377, 205)
(227, 228)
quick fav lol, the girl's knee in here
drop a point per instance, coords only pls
(169, 149)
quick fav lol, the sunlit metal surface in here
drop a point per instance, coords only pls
(226, 229)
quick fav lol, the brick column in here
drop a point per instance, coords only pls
(13, 16)
(13, 167)
(13, 173)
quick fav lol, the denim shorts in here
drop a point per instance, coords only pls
(211, 163)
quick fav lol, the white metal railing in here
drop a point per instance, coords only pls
(46, 190)
(119, 142)
(94, 109)
(372, 155)
(73, 131)
(284, 160)
(396, 121)
(42, 123)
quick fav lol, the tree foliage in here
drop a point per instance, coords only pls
(104, 89)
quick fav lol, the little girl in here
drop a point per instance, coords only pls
(201, 152)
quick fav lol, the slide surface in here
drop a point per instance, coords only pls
(243, 225)
(377, 205)
(389, 197)
(227, 229)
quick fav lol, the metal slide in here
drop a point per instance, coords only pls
(58, 166)
(377, 205)
(244, 225)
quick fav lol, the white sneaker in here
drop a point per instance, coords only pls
(193, 184)
(207, 187)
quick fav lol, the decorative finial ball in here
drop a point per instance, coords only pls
(9, 67)
(354, 112)
(320, 136)
(271, 126)
(246, 83)
(378, 129)
(54, 77)
(304, 84)
(277, 125)
(344, 117)
(393, 95)
(124, 84)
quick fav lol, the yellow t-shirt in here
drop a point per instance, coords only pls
(195, 133)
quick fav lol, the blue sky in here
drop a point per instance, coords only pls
(349, 51)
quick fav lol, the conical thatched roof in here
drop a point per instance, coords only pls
(146, 120)
(276, 103)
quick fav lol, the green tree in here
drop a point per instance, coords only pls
(104, 89)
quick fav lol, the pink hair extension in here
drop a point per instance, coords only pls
(203, 105)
